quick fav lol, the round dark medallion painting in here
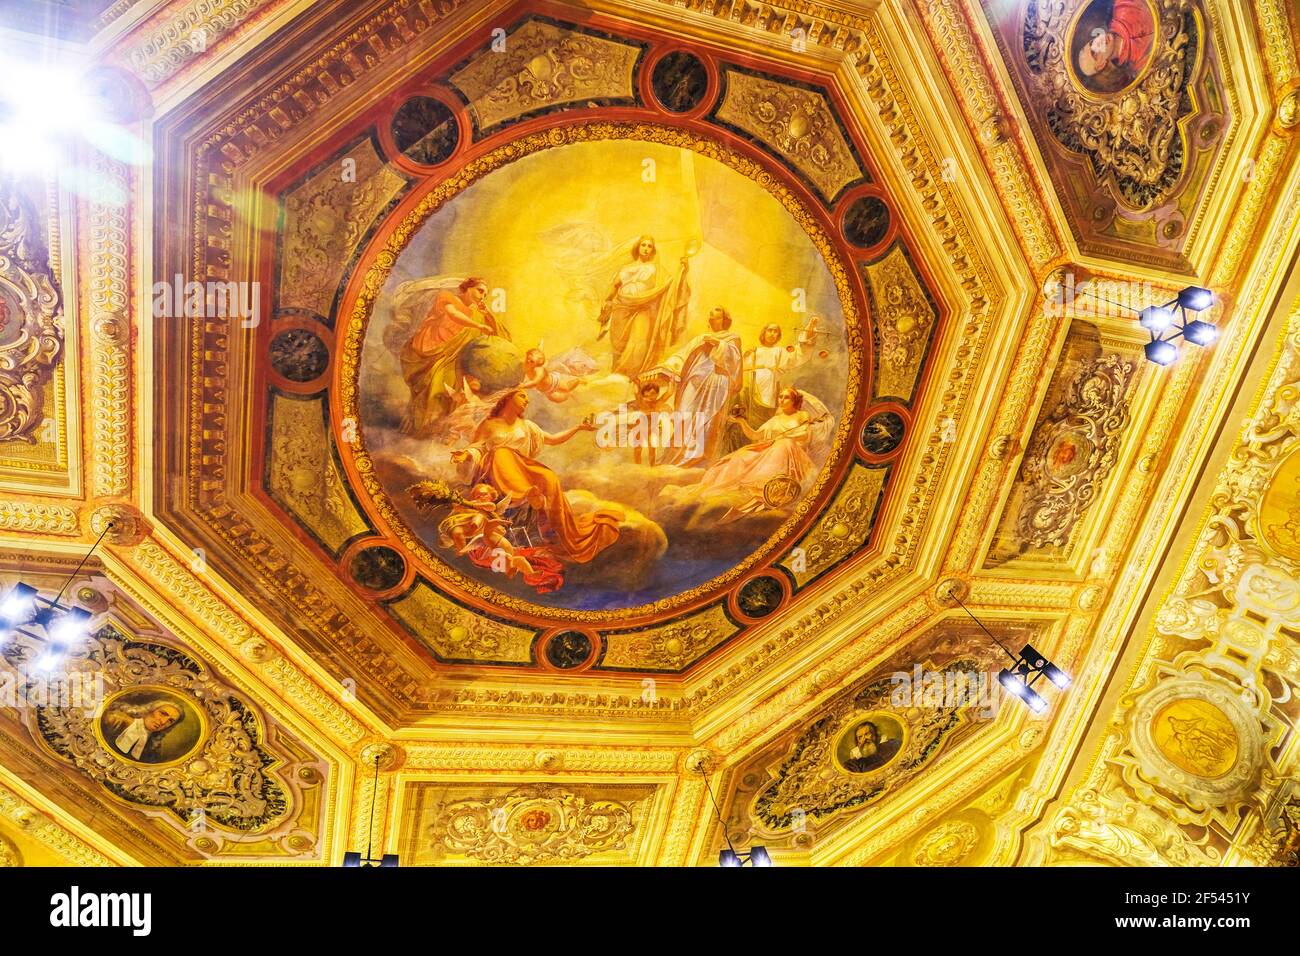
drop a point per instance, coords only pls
(680, 81)
(568, 649)
(299, 355)
(379, 568)
(760, 597)
(867, 222)
(424, 129)
(883, 432)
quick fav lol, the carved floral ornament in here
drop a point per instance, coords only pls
(1075, 444)
(530, 825)
(1130, 133)
(543, 65)
(31, 341)
(167, 735)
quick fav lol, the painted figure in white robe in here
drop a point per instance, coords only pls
(769, 365)
(706, 374)
(645, 311)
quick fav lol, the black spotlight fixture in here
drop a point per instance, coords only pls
(1018, 680)
(44, 628)
(353, 857)
(1026, 668)
(754, 856)
(1178, 317)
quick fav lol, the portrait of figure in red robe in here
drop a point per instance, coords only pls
(1112, 43)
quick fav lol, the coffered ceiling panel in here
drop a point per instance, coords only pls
(505, 427)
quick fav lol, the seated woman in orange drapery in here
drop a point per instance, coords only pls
(503, 454)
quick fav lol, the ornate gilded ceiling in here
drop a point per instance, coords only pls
(277, 343)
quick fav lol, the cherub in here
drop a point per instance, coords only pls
(470, 518)
(476, 525)
(471, 393)
(555, 385)
(656, 426)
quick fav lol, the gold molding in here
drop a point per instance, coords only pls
(350, 349)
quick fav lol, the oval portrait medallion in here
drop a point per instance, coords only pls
(583, 381)
(151, 725)
(1112, 43)
(870, 743)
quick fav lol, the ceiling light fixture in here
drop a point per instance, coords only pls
(352, 857)
(754, 856)
(50, 628)
(1173, 319)
(1166, 325)
(47, 105)
(1027, 667)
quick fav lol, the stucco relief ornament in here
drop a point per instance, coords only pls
(1073, 450)
(533, 824)
(1123, 118)
(948, 844)
(31, 341)
(168, 735)
(1193, 738)
(543, 64)
(1115, 829)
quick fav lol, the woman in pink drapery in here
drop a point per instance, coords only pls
(779, 449)
(1116, 53)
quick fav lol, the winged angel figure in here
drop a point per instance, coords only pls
(434, 321)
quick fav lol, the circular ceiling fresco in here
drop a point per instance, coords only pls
(600, 376)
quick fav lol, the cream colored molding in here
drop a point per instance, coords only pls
(183, 33)
(554, 759)
(178, 587)
(108, 320)
(1262, 188)
(690, 821)
(952, 32)
(38, 518)
(186, 590)
(1279, 35)
(1027, 592)
(44, 826)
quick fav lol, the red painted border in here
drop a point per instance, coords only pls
(715, 58)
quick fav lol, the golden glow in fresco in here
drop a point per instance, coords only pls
(679, 343)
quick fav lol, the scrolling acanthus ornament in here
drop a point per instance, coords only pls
(31, 341)
(1131, 136)
(1072, 451)
(223, 779)
(533, 824)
